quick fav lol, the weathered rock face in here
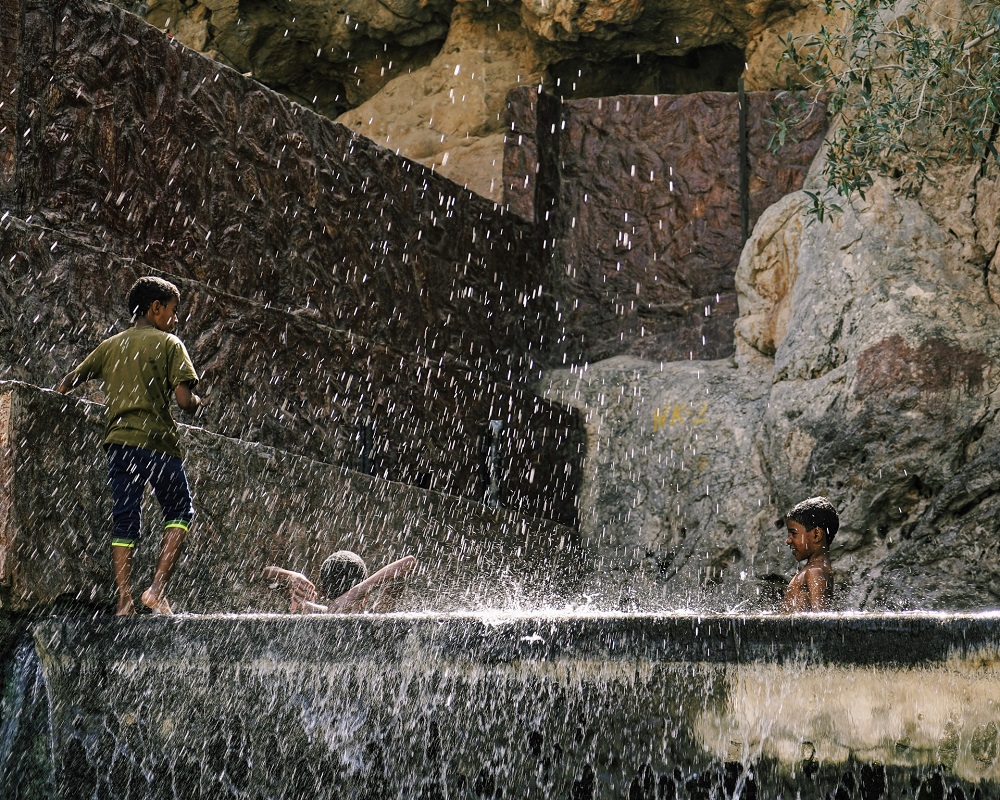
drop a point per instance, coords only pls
(429, 77)
(675, 504)
(450, 114)
(865, 370)
(196, 169)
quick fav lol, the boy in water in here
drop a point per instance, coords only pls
(141, 367)
(811, 526)
(346, 584)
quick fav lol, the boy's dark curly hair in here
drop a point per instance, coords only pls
(816, 512)
(147, 289)
(340, 572)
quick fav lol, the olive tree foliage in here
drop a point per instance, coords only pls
(908, 85)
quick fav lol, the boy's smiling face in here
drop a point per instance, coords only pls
(802, 543)
(163, 316)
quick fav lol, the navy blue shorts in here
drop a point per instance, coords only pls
(129, 470)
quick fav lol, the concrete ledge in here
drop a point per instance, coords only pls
(551, 705)
(255, 506)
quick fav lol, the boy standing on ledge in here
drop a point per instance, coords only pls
(811, 526)
(140, 368)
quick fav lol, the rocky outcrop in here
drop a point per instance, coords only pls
(866, 370)
(428, 77)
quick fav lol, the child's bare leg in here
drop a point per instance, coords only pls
(121, 562)
(155, 597)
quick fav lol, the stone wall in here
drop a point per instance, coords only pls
(288, 380)
(645, 225)
(254, 506)
(152, 152)
(342, 302)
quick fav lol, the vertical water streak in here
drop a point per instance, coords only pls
(26, 771)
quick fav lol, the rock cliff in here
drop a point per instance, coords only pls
(428, 78)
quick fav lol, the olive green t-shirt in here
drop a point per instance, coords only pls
(140, 368)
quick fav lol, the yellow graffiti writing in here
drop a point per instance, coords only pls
(680, 414)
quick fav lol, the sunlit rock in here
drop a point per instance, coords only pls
(765, 277)
(388, 69)
(450, 114)
(569, 19)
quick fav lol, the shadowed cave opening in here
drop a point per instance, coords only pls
(704, 69)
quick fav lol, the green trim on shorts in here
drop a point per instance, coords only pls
(176, 523)
(122, 543)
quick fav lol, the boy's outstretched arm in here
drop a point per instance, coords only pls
(186, 399)
(353, 599)
(69, 382)
(302, 589)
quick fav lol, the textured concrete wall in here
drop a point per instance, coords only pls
(255, 506)
(153, 152)
(570, 705)
(288, 380)
(645, 225)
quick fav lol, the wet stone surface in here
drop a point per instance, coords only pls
(581, 706)
(290, 381)
(255, 506)
(204, 174)
(340, 302)
(645, 218)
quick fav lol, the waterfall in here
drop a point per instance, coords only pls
(491, 705)
(26, 767)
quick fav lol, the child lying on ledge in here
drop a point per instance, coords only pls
(345, 582)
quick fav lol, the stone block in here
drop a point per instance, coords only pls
(645, 220)
(255, 506)
(286, 379)
(151, 151)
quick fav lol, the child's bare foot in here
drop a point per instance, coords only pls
(156, 603)
(125, 608)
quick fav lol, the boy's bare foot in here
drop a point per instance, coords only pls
(156, 603)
